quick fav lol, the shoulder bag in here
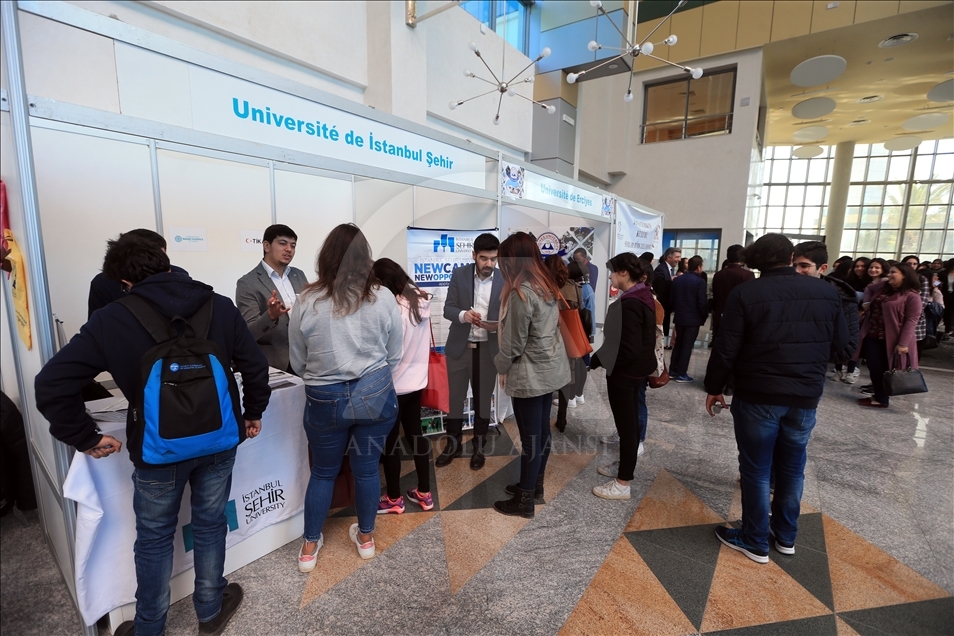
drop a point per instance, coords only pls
(900, 381)
(436, 395)
(575, 339)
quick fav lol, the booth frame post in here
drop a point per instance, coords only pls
(43, 335)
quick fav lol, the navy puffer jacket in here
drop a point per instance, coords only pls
(777, 335)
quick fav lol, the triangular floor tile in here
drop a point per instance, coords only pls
(457, 479)
(669, 504)
(561, 469)
(339, 559)
(844, 629)
(924, 617)
(683, 560)
(745, 594)
(626, 598)
(735, 509)
(486, 485)
(409, 481)
(809, 564)
(472, 538)
(817, 626)
(864, 576)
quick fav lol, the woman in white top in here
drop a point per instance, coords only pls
(410, 378)
(344, 339)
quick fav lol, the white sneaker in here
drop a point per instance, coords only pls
(571, 403)
(836, 376)
(640, 450)
(580, 400)
(307, 562)
(556, 401)
(609, 470)
(610, 440)
(850, 378)
(612, 490)
(365, 550)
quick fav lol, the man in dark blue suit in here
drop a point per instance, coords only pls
(473, 309)
(663, 275)
(691, 306)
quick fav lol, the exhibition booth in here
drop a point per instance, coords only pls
(208, 153)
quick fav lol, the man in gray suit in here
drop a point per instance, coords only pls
(472, 307)
(267, 293)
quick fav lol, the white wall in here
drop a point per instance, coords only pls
(697, 183)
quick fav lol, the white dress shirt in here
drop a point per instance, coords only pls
(481, 304)
(283, 284)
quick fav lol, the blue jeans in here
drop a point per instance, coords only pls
(533, 422)
(771, 437)
(353, 417)
(642, 411)
(157, 497)
(682, 351)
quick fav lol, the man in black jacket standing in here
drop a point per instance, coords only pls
(114, 340)
(663, 275)
(777, 335)
(689, 302)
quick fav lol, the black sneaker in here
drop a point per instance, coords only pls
(231, 599)
(126, 628)
(733, 539)
(867, 389)
(783, 548)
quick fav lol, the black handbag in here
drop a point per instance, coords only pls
(899, 381)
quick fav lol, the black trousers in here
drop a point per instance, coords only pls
(474, 366)
(409, 416)
(624, 402)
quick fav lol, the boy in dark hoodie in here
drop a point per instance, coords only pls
(114, 340)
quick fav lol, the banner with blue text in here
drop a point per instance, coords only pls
(225, 105)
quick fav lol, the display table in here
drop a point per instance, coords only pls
(268, 493)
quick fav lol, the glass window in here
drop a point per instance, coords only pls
(870, 217)
(911, 239)
(686, 107)
(940, 193)
(943, 145)
(796, 195)
(848, 241)
(944, 167)
(915, 216)
(891, 217)
(508, 18)
(922, 167)
(877, 168)
(874, 194)
(811, 218)
(817, 170)
(776, 195)
(793, 219)
(814, 195)
(930, 243)
(854, 194)
(480, 9)
(899, 168)
(799, 172)
(852, 214)
(936, 216)
(866, 241)
(894, 193)
(858, 169)
(887, 244)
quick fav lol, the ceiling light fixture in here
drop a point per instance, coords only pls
(902, 143)
(860, 122)
(644, 47)
(943, 92)
(500, 86)
(870, 98)
(820, 69)
(897, 40)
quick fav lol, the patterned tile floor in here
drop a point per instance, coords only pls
(875, 551)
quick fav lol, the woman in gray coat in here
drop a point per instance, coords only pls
(532, 361)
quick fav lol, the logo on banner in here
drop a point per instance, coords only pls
(444, 243)
(549, 243)
(608, 205)
(267, 498)
(512, 180)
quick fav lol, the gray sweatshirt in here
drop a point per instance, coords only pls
(325, 348)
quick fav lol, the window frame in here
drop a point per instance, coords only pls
(686, 119)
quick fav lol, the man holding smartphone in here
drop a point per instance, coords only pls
(473, 309)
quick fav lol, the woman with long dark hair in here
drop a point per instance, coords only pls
(892, 309)
(532, 361)
(566, 397)
(410, 378)
(628, 355)
(858, 277)
(345, 338)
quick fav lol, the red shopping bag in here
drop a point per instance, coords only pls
(436, 394)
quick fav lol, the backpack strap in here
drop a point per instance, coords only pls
(149, 317)
(201, 320)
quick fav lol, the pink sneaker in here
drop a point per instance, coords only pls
(424, 499)
(390, 506)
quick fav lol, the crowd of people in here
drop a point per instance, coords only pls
(359, 337)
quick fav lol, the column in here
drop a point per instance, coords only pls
(554, 136)
(838, 198)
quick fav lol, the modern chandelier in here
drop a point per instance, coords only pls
(644, 47)
(501, 87)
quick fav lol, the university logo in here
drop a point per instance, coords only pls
(444, 243)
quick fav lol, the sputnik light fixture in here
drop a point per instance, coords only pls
(644, 47)
(501, 87)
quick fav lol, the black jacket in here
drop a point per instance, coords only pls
(777, 334)
(688, 300)
(104, 290)
(629, 337)
(113, 340)
(849, 306)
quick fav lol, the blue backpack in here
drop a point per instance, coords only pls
(188, 404)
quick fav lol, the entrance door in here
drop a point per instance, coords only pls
(704, 243)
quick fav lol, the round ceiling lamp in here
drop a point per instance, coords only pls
(807, 152)
(810, 134)
(897, 40)
(902, 143)
(818, 70)
(927, 121)
(943, 92)
(813, 108)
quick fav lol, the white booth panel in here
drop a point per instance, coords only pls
(90, 190)
(448, 210)
(217, 199)
(312, 206)
(518, 217)
(55, 525)
(383, 210)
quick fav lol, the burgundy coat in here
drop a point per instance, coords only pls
(901, 314)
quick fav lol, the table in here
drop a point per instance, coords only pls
(267, 499)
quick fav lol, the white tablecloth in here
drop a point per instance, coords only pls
(268, 486)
